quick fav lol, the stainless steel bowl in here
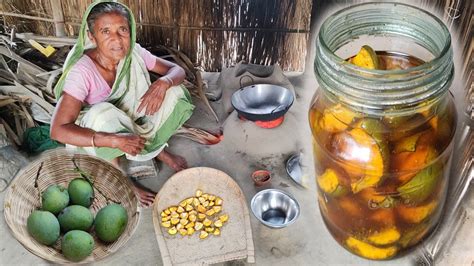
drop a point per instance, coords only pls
(262, 102)
(275, 208)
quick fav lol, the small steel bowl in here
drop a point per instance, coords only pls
(262, 102)
(275, 208)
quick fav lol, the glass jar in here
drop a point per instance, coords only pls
(382, 138)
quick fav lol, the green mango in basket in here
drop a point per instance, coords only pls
(76, 245)
(43, 227)
(81, 192)
(75, 217)
(54, 199)
(110, 222)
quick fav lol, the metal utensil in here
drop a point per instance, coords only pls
(275, 208)
(294, 169)
(262, 102)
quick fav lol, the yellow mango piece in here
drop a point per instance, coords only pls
(205, 204)
(201, 209)
(212, 197)
(192, 217)
(368, 251)
(183, 231)
(374, 167)
(211, 203)
(174, 221)
(189, 225)
(201, 200)
(190, 231)
(198, 226)
(366, 58)
(183, 203)
(164, 219)
(218, 201)
(198, 193)
(172, 231)
(217, 209)
(201, 216)
(205, 196)
(385, 237)
(407, 143)
(207, 222)
(217, 232)
(203, 234)
(416, 214)
(167, 211)
(184, 215)
(179, 226)
(180, 209)
(210, 212)
(174, 215)
(173, 209)
(189, 208)
(224, 218)
(218, 223)
(329, 183)
(163, 214)
(183, 221)
(209, 229)
(166, 224)
(189, 201)
(336, 118)
(195, 202)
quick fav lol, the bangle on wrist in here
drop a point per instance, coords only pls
(170, 81)
(92, 139)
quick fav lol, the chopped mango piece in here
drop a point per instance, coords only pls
(198, 193)
(407, 143)
(189, 208)
(212, 197)
(172, 231)
(183, 231)
(218, 223)
(203, 234)
(164, 219)
(224, 218)
(201, 200)
(336, 118)
(201, 216)
(209, 229)
(210, 212)
(198, 226)
(364, 157)
(174, 215)
(174, 221)
(166, 224)
(217, 209)
(184, 215)
(329, 182)
(173, 209)
(189, 201)
(163, 214)
(385, 237)
(368, 251)
(183, 203)
(205, 204)
(192, 217)
(167, 211)
(190, 231)
(366, 58)
(205, 196)
(189, 225)
(217, 232)
(179, 226)
(383, 216)
(207, 222)
(416, 214)
(195, 202)
(184, 221)
(201, 209)
(180, 209)
(350, 206)
(218, 201)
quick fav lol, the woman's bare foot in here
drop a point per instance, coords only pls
(145, 197)
(175, 162)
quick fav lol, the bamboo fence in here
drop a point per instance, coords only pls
(213, 33)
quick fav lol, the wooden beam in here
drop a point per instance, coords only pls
(25, 16)
(58, 18)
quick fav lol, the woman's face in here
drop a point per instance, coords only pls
(111, 36)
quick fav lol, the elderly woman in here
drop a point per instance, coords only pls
(107, 104)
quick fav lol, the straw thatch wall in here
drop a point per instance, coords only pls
(213, 33)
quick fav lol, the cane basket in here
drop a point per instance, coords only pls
(57, 167)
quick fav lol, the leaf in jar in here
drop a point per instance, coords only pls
(422, 185)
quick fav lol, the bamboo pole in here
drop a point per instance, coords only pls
(25, 16)
(58, 18)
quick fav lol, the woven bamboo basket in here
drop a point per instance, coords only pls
(235, 241)
(57, 167)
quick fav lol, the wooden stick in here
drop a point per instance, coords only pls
(58, 18)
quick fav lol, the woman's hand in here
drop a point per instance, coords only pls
(154, 97)
(131, 144)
